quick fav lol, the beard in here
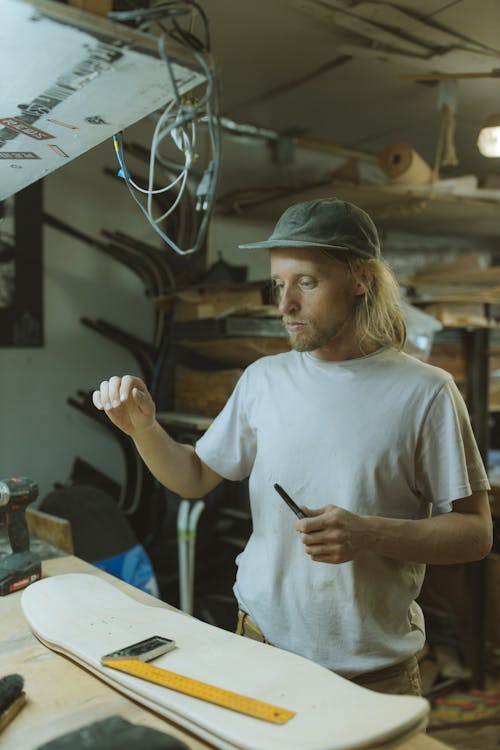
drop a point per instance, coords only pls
(316, 337)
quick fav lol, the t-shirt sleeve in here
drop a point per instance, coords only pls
(449, 465)
(229, 445)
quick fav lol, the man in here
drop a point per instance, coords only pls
(365, 438)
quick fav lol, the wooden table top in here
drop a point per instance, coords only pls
(62, 696)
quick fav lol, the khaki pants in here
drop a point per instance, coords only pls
(399, 679)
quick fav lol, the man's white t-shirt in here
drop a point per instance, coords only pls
(382, 435)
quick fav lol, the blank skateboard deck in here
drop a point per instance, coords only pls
(84, 618)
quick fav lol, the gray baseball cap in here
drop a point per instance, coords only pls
(327, 223)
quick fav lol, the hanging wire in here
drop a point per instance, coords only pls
(179, 119)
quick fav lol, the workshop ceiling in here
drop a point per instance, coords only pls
(331, 70)
(314, 90)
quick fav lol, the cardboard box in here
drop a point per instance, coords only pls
(450, 356)
(203, 392)
(444, 590)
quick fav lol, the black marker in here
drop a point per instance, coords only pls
(288, 500)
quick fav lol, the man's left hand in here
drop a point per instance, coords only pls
(332, 534)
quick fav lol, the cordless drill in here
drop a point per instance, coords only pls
(21, 567)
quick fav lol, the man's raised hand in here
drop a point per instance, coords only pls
(127, 402)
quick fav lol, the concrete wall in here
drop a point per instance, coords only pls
(40, 434)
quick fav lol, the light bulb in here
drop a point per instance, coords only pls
(488, 141)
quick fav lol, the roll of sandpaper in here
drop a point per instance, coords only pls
(402, 165)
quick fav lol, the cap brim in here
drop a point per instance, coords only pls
(292, 243)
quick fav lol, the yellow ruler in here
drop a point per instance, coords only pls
(201, 690)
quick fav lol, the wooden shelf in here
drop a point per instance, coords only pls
(390, 206)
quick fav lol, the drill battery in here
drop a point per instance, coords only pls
(18, 570)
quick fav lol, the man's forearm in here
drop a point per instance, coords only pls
(334, 535)
(174, 464)
(443, 540)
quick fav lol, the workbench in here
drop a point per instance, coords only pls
(62, 696)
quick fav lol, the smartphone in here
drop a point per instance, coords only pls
(145, 650)
(288, 500)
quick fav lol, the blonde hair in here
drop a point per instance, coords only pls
(379, 318)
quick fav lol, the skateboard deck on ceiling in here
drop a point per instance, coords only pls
(84, 618)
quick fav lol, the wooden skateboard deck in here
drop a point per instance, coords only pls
(84, 618)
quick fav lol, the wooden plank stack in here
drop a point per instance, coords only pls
(456, 293)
